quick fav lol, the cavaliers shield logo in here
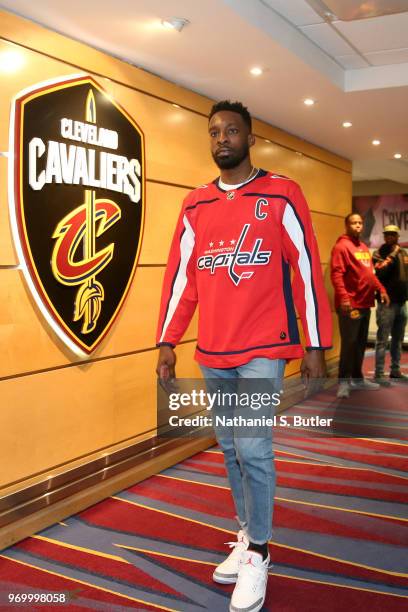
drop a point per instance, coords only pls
(78, 203)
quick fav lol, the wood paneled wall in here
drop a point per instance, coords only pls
(55, 408)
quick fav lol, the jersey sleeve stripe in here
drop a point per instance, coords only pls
(171, 293)
(295, 232)
(290, 307)
(179, 283)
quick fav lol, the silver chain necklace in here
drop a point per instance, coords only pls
(253, 172)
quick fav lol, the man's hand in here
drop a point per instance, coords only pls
(390, 259)
(313, 368)
(313, 365)
(166, 363)
(345, 308)
(385, 299)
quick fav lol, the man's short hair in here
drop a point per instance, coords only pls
(234, 107)
(347, 217)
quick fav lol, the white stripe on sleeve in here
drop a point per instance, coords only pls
(186, 248)
(295, 233)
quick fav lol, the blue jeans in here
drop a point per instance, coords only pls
(249, 461)
(392, 320)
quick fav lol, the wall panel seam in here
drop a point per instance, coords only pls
(153, 265)
(86, 362)
(169, 184)
(96, 359)
(327, 214)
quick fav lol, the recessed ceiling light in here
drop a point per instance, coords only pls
(268, 141)
(397, 155)
(256, 71)
(309, 101)
(10, 61)
(376, 142)
(347, 124)
(176, 105)
(175, 23)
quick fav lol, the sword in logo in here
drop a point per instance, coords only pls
(79, 229)
(90, 295)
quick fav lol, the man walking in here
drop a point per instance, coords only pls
(235, 242)
(391, 266)
(355, 285)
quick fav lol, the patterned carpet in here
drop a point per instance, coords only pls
(340, 530)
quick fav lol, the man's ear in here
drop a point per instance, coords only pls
(251, 140)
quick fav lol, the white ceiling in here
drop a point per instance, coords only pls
(356, 70)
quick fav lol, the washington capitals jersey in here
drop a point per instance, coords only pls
(232, 255)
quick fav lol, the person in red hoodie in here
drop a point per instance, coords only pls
(355, 285)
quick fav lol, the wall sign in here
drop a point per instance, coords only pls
(77, 198)
(379, 211)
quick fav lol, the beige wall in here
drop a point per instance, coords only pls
(367, 188)
(55, 409)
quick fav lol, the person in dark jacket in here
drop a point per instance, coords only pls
(355, 285)
(391, 266)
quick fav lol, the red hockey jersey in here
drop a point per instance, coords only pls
(231, 254)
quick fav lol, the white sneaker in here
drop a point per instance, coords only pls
(227, 571)
(250, 590)
(344, 390)
(364, 384)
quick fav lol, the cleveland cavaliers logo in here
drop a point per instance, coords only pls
(77, 203)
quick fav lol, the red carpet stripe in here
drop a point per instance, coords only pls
(307, 594)
(191, 494)
(133, 519)
(290, 481)
(29, 579)
(102, 565)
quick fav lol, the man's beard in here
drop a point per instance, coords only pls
(233, 159)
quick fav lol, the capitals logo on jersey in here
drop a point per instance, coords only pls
(78, 201)
(235, 258)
